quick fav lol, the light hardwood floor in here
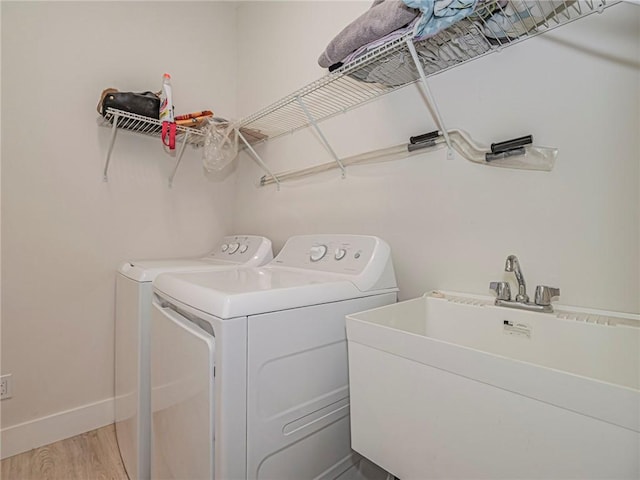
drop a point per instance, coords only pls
(90, 456)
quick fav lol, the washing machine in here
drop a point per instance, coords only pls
(249, 370)
(133, 308)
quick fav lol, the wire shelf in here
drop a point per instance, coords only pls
(150, 126)
(390, 66)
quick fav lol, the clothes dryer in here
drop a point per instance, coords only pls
(249, 367)
(133, 307)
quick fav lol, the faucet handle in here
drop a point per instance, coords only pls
(544, 294)
(502, 289)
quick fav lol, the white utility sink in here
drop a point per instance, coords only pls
(451, 386)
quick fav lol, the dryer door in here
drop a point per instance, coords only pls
(182, 397)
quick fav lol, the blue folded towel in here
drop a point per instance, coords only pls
(439, 14)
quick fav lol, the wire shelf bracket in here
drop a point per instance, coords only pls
(323, 139)
(431, 102)
(112, 141)
(258, 159)
(122, 120)
(180, 153)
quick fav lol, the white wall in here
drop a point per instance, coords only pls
(451, 224)
(64, 230)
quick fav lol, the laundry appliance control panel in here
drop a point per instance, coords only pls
(344, 254)
(240, 248)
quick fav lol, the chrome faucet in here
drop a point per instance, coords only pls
(512, 265)
(543, 297)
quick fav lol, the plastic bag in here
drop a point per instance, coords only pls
(220, 145)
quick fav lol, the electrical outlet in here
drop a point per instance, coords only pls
(5, 387)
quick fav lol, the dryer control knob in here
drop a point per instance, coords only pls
(233, 248)
(225, 247)
(243, 248)
(318, 252)
(340, 253)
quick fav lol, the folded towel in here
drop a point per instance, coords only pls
(381, 41)
(439, 14)
(382, 18)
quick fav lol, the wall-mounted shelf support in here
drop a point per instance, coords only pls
(112, 141)
(122, 120)
(518, 153)
(430, 99)
(180, 153)
(258, 158)
(324, 140)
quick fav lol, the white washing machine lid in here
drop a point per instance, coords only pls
(232, 251)
(148, 270)
(242, 292)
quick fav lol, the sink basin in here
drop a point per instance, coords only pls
(451, 386)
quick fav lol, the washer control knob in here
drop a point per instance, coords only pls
(233, 248)
(243, 248)
(340, 253)
(318, 252)
(225, 247)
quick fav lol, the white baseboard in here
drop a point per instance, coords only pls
(45, 430)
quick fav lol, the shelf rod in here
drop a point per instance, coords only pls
(112, 141)
(430, 100)
(175, 169)
(322, 137)
(258, 159)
